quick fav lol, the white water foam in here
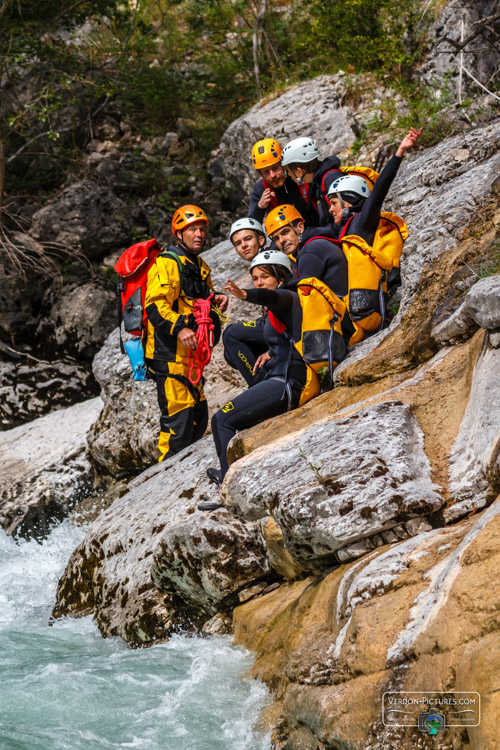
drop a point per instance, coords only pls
(66, 688)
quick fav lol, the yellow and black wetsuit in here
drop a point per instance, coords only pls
(169, 307)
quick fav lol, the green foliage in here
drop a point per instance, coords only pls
(427, 107)
(490, 264)
(359, 35)
(154, 61)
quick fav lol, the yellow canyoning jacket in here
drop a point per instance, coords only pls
(169, 303)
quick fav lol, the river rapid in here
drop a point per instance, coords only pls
(65, 688)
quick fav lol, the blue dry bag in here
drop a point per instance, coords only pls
(136, 356)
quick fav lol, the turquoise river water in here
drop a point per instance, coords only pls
(66, 688)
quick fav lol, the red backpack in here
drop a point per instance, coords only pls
(132, 267)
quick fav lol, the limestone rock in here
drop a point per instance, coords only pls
(359, 352)
(124, 437)
(219, 624)
(79, 321)
(110, 574)
(495, 339)
(483, 302)
(30, 388)
(279, 557)
(19, 298)
(478, 672)
(481, 308)
(432, 192)
(474, 463)
(205, 559)
(45, 471)
(480, 55)
(85, 216)
(331, 124)
(338, 482)
(459, 325)
(412, 616)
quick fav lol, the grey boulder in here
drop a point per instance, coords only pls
(339, 483)
(85, 217)
(45, 470)
(206, 558)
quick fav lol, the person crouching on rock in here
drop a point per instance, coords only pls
(244, 342)
(276, 186)
(313, 175)
(176, 279)
(288, 381)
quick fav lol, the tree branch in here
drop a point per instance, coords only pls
(46, 132)
(3, 8)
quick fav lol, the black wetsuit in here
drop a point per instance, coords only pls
(285, 378)
(243, 343)
(364, 223)
(323, 259)
(323, 177)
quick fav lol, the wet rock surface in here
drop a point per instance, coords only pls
(206, 559)
(45, 471)
(30, 388)
(110, 573)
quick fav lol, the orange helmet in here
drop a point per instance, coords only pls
(281, 216)
(266, 153)
(186, 215)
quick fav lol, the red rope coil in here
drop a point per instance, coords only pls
(200, 357)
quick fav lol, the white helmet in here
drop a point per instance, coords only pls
(246, 223)
(349, 183)
(300, 151)
(272, 258)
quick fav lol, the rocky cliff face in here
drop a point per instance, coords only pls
(359, 535)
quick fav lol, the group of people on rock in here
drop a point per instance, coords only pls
(300, 211)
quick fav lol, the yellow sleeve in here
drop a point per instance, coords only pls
(163, 288)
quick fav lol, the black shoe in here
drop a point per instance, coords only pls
(209, 505)
(211, 502)
(215, 476)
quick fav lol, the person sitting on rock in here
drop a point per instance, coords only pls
(351, 200)
(276, 186)
(288, 381)
(319, 256)
(356, 212)
(244, 342)
(313, 175)
(176, 279)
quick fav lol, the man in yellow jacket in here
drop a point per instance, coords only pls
(175, 281)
